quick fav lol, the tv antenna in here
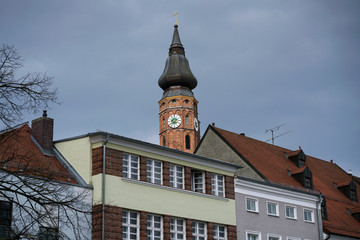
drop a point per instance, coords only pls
(272, 132)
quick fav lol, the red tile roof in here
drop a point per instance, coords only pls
(19, 152)
(272, 162)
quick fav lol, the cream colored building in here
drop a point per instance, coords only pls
(147, 191)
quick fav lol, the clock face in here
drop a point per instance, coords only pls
(174, 121)
(196, 124)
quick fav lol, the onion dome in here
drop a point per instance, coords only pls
(177, 71)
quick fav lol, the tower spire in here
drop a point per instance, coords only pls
(178, 124)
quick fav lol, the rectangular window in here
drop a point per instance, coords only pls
(290, 212)
(5, 219)
(273, 236)
(130, 225)
(272, 209)
(48, 233)
(252, 205)
(154, 171)
(154, 227)
(130, 166)
(199, 230)
(176, 176)
(177, 229)
(197, 181)
(217, 185)
(308, 215)
(219, 232)
(250, 235)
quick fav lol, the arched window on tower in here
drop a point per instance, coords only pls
(187, 120)
(187, 142)
(164, 142)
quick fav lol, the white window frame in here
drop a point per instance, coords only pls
(174, 228)
(295, 212)
(128, 169)
(152, 170)
(174, 178)
(269, 235)
(216, 232)
(151, 228)
(248, 232)
(128, 225)
(292, 238)
(311, 214)
(193, 184)
(217, 185)
(196, 234)
(256, 204)
(276, 207)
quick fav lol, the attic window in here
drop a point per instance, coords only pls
(298, 158)
(304, 177)
(324, 209)
(355, 212)
(349, 189)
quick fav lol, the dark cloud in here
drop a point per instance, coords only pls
(259, 64)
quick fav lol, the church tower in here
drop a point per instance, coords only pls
(179, 127)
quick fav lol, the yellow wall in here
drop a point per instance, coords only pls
(78, 153)
(163, 201)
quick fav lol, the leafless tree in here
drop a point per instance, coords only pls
(44, 201)
(29, 93)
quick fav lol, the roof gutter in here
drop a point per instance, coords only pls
(319, 219)
(103, 190)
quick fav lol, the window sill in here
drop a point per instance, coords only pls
(129, 180)
(252, 211)
(291, 218)
(309, 222)
(273, 215)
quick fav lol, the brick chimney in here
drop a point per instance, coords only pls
(42, 131)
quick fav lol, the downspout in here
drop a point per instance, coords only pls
(103, 190)
(318, 214)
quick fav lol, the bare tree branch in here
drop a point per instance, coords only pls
(29, 93)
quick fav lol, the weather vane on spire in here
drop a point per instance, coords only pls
(175, 14)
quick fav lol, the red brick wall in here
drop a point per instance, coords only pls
(143, 225)
(113, 161)
(143, 176)
(97, 156)
(166, 174)
(42, 131)
(166, 223)
(188, 229)
(231, 232)
(208, 183)
(229, 187)
(187, 178)
(210, 231)
(96, 222)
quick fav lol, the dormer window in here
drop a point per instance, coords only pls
(323, 209)
(298, 158)
(304, 176)
(355, 212)
(349, 189)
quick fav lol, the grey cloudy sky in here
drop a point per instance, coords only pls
(259, 64)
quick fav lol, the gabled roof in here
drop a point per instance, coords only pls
(273, 163)
(20, 153)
